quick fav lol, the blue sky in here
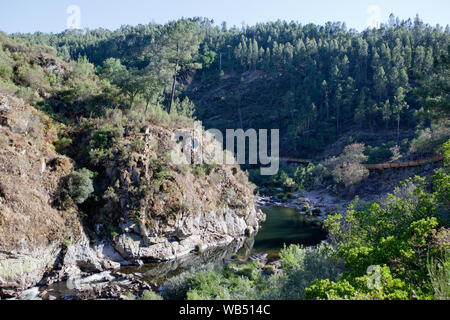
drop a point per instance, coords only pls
(51, 16)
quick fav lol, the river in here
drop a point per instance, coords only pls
(282, 226)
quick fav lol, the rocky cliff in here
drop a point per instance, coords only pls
(159, 210)
(168, 208)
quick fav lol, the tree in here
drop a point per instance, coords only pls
(435, 91)
(151, 89)
(347, 169)
(399, 105)
(81, 185)
(386, 111)
(179, 51)
(130, 81)
(379, 81)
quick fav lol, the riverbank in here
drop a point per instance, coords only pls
(285, 225)
(317, 203)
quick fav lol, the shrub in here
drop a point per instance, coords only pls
(347, 169)
(185, 108)
(215, 285)
(439, 270)
(430, 140)
(378, 286)
(446, 151)
(62, 145)
(27, 94)
(305, 266)
(150, 295)
(146, 295)
(397, 235)
(177, 287)
(200, 171)
(292, 256)
(81, 185)
(138, 145)
(5, 71)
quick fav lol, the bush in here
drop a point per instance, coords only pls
(377, 286)
(347, 169)
(138, 145)
(292, 256)
(62, 145)
(146, 295)
(200, 171)
(305, 266)
(5, 71)
(81, 185)
(430, 140)
(446, 151)
(150, 295)
(177, 287)
(215, 285)
(439, 270)
(398, 235)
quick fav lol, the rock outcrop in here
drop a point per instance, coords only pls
(179, 207)
(36, 234)
(161, 209)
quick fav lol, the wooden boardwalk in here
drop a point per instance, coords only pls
(381, 166)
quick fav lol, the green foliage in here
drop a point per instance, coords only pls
(434, 91)
(185, 107)
(216, 286)
(430, 140)
(292, 256)
(397, 234)
(245, 281)
(62, 145)
(446, 149)
(81, 185)
(138, 145)
(147, 295)
(178, 50)
(176, 287)
(293, 178)
(385, 151)
(302, 268)
(249, 269)
(439, 271)
(361, 288)
(200, 171)
(6, 72)
(150, 295)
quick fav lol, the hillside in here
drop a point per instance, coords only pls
(108, 175)
(315, 83)
(87, 194)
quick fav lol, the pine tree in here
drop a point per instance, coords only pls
(398, 106)
(180, 46)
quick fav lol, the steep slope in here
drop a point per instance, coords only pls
(32, 229)
(159, 210)
(169, 209)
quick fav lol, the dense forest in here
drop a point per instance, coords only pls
(315, 83)
(341, 97)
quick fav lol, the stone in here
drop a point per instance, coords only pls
(30, 294)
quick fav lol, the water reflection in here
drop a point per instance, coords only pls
(283, 226)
